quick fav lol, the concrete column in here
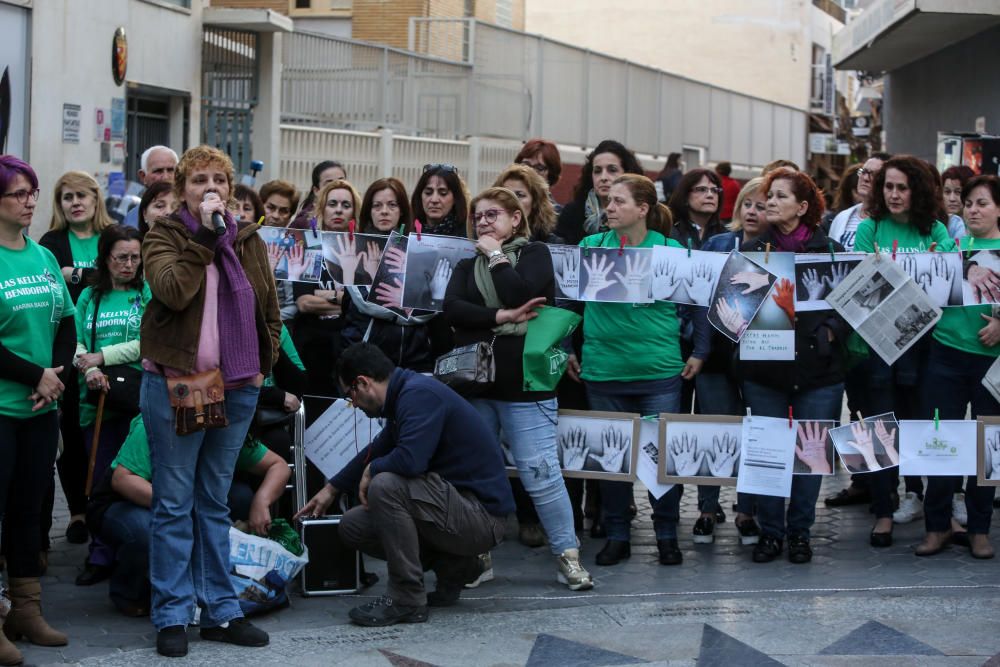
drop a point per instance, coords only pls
(266, 132)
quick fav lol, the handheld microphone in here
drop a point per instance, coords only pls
(218, 222)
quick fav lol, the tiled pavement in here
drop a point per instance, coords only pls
(852, 605)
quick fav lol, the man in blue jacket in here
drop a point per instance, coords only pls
(432, 486)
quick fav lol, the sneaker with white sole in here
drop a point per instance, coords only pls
(704, 530)
(958, 511)
(571, 572)
(911, 508)
(486, 563)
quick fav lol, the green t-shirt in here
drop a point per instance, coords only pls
(884, 232)
(287, 348)
(630, 342)
(959, 327)
(118, 322)
(84, 251)
(134, 453)
(33, 301)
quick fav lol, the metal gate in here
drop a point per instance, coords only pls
(229, 92)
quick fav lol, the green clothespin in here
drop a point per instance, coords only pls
(937, 420)
(689, 246)
(833, 255)
(402, 228)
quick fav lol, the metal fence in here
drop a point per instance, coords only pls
(472, 79)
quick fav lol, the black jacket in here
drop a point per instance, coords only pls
(818, 362)
(406, 340)
(465, 310)
(58, 244)
(570, 225)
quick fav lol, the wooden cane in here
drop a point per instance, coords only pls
(93, 445)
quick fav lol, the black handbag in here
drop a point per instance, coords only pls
(123, 380)
(469, 370)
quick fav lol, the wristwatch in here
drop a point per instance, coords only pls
(75, 276)
(495, 253)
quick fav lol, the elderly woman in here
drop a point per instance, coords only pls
(78, 218)
(212, 323)
(490, 298)
(813, 384)
(36, 345)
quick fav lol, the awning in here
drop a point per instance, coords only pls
(250, 20)
(892, 33)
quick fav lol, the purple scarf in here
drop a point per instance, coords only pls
(794, 242)
(239, 354)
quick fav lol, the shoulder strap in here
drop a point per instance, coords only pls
(93, 323)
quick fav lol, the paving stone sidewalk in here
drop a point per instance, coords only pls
(851, 604)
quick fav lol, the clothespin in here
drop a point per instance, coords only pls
(937, 420)
(417, 227)
(767, 252)
(972, 241)
(260, 223)
(877, 255)
(621, 246)
(933, 246)
(312, 224)
(958, 246)
(860, 418)
(350, 231)
(748, 412)
(689, 246)
(789, 416)
(895, 247)
(402, 228)
(736, 243)
(833, 255)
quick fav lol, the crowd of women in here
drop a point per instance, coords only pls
(173, 304)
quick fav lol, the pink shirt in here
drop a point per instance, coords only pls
(208, 339)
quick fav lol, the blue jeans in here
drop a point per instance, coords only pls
(819, 403)
(189, 544)
(648, 397)
(529, 429)
(113, 434)
(718, 394)
(125, 528)
(954, 381)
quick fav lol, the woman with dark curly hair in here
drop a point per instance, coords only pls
(903, 205)
(585, 215)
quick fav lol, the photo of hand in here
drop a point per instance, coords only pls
(816, 276)
(593, 445)
(566, 267)
(352, 259)
(617, 276)
(428, 266)
(869, 445)
(702, 449)
(991, 457)
(743, 287)
(936, 273)
(981, 278)
(814, 452)
(387, 283)
(293, 254)
(684, 276)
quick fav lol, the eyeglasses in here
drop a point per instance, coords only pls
(490, 215)
(22, 195)
(862, 172)
(539, 167)
(127, 259)
(441, 167)
(706, 189)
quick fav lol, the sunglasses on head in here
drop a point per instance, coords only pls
(441, 167)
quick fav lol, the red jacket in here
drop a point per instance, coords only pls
(730, 191)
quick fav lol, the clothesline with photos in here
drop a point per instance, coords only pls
(756, 454)
(752, 297)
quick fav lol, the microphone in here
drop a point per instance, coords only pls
(218, 222)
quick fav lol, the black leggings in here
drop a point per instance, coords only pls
(72, 464)
(27, 453)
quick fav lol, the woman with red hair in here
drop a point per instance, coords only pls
(813, 384)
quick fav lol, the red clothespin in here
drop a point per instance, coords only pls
(933, 246)
(895, 247)
(350, 231)
(417, 227)
(958, 246)
(621, 246)
(790, 425)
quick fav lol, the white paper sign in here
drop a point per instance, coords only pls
(768, 457)
(649, 457)
(337, 435)
(945, 448)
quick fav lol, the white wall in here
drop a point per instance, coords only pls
(71, 63)
(761, 48)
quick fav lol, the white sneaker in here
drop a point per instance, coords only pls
(571, 572)
(486, 563)
(958, 511)
(910, 509)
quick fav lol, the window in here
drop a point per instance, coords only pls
(303, 4)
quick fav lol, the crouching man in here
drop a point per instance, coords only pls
(432, 487)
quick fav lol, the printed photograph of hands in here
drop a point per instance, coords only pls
(981, 282)
(815, 280)
(935, 273)
(814, 452)
(682, 279)
(742, 288)
(609, 276)
(429, 265)
(290, 252)
(595, 445)
(869, 445)
(991, 455)
(566, 267)
(387, 287)
(702, 450)
(352, 261)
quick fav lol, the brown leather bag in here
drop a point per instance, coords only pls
(199, 402)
